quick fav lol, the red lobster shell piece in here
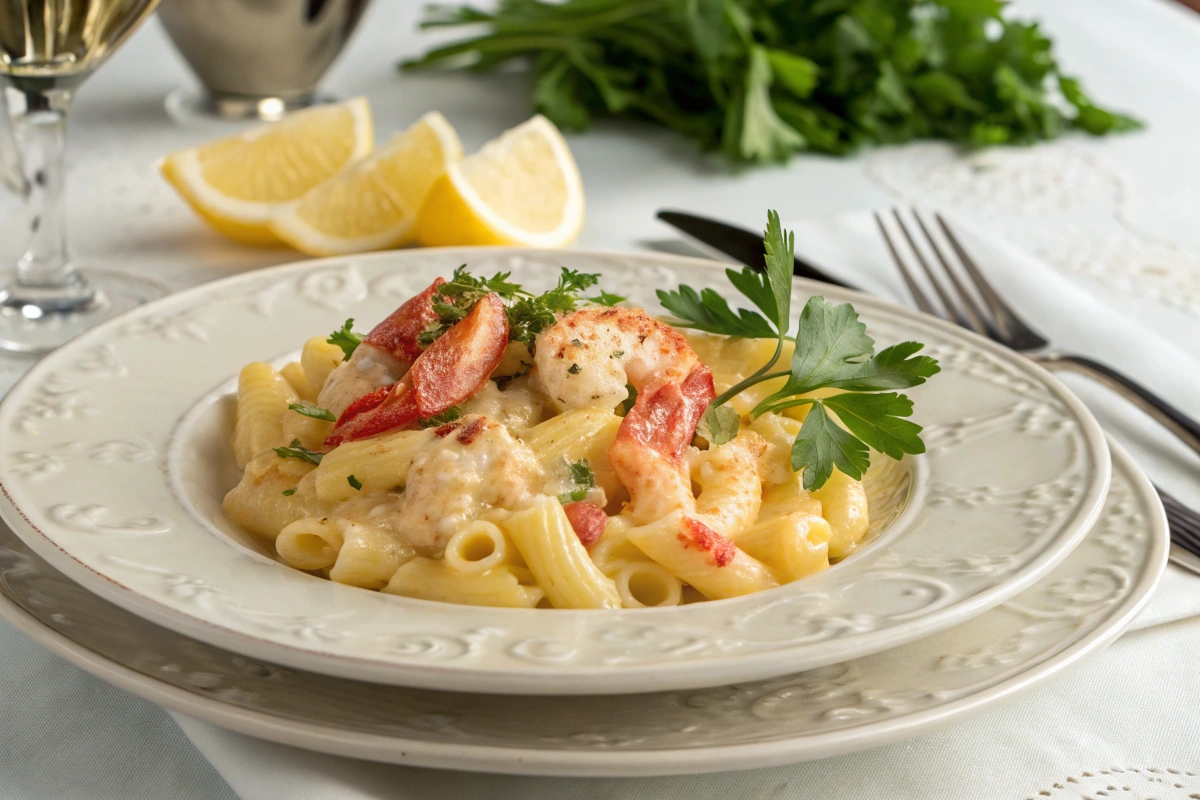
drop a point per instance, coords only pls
(397, 335)
(449, 371)
(587, 520)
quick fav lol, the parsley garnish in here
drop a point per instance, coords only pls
(833, 350)
(297, 450)
(289, 492)
(760, 81)
(346, 339)
(316, 412)
(449, 415)
(606, 299)
(455, 298)
(574, 369)
(354, 482)
(583, 478)
(616, 354)
(528, 314)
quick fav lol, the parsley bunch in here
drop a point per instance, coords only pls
(761, 80)
(833, 351)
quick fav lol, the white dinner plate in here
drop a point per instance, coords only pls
(116, 457)
(1079, 608)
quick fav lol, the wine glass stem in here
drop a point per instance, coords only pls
(45, 277)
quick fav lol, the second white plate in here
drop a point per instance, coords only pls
(113, 474)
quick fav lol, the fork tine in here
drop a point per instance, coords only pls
(914, 289)
(954, 309)
(1017, 334)
(979, 319)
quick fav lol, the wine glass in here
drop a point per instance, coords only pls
(47, 49)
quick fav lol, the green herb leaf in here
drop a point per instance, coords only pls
(316, 412)
(709, 311)
(877, 420)
(297, 450)
(346, 339)
(584, 479)
(606, 299)
(354, 482)
(437, 420)
(829, 341)
(893, 367)
(289, 492)
(719, 424)
(821, 445)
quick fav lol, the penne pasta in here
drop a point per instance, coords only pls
(700, 557)
(379, 464)
(844, 505)
(478, 547)
(263, 399)
(426, 579)
(792, 546)
(310, 544)
(543, 535)
(369, 556)
(319, 358)
(644, 584)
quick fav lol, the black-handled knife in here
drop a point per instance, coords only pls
(743, 246)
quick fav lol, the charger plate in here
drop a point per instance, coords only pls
(1076, 610)
(116, 457)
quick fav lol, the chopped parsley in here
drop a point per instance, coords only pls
(316, 412)
(606, 299)
(297, 450)
(616, 354)
(574, 369)
(449, 415)
(584, 479)
(346, 339)
(528, 314)
(289, 492)
(354, 482)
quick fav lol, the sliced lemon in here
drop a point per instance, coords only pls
(521, 188)
(234, 183)
(373, 204)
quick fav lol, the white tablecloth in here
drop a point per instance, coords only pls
(1116, 215)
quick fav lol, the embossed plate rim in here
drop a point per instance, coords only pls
(624, 763)
(691, 670)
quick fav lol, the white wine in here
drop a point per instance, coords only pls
(56, 43)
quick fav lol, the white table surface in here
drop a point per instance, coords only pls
(1119, 212)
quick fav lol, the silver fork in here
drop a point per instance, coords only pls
(994, 319)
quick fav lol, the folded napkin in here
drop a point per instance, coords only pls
(990, 756)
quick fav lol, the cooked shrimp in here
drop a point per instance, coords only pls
(383, 357)
(588, 357)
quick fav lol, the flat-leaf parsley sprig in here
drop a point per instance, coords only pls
(833, 351)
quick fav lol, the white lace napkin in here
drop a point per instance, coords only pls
(1054, 735)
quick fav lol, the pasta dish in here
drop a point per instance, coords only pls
(484, 445)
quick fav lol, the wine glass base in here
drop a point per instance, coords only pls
(29, 328)
(188, 105)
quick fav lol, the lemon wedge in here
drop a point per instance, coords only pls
(372, 205)
(522, 188)
(236, 182)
